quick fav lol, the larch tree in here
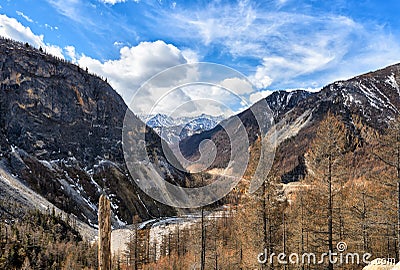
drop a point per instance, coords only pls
(387, 150)
(323, 161)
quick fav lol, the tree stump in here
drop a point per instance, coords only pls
(104, 233)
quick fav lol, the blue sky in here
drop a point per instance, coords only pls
(277, 44)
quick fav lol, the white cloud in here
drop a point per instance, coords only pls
(278, 38)
(259, 95)
(98, 21)
(280, 3)
(180, 89)
(237, 85)
(112, 2)
(261, 79)
(136, 65)
(291, 47)
(48, 26)
(70, 51)
(190, 55)
(72, 9)
(66, 7)
(11, 28)
(118, 43)
(200, 98)
(19, 13)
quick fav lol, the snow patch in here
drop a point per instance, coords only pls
(46, 164)
(392, 81)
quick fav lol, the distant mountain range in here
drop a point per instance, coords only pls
(173, 130)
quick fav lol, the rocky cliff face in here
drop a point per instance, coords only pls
(60, 133)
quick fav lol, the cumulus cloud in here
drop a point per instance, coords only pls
(11, 28)
(259, 95)
(136, 65)
(71, 53)
(214, 99)
(261, 78)
(190, 55)
(238, 85)
(192, 100)
(181, 89)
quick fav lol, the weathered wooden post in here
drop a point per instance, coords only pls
(104, 233)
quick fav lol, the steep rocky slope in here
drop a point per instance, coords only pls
(364, 103)
(60, 133)
(367, 101)
(279, 104)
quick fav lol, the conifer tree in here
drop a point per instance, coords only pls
(324, 163)
(387, 150)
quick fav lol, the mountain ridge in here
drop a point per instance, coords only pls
(372, 98)
(61, 134)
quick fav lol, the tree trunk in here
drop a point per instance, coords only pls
(398, 194)
(203, 236)
(104, 217)
(203, 241)
(330, 212)
(364, 224)
(302, 227)
(284, 238)
(265, 234)
(398, 213)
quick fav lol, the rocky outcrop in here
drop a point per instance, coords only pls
(61, 133)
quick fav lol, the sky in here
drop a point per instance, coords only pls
(274, 44)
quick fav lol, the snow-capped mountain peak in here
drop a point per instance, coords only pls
(159, 120)
(174, 129)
